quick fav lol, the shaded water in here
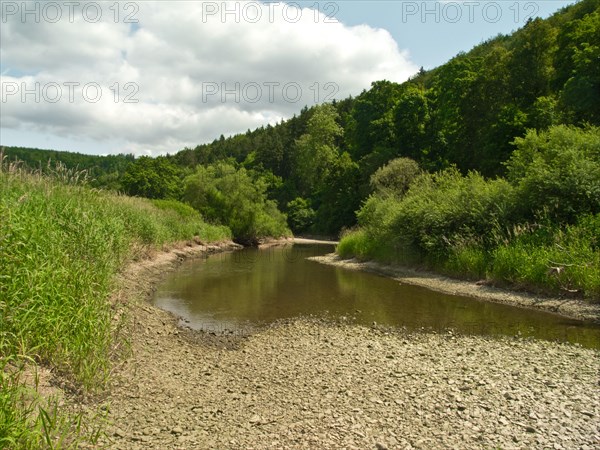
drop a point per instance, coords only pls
(240, 290)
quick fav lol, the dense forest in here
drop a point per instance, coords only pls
(536, 91)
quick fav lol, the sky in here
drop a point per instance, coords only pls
(154, 77)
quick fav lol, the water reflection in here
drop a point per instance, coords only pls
(239, 290)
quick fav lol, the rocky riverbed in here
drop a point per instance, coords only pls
(313, 384)
(310, 384)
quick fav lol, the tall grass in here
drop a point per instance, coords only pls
(61, 245)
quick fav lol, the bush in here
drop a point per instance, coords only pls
(152, 178)
(470, 261)
(356, 244)
(446, 208)
(557, 173)
(540, 230)
(300, 215)
(552, 258)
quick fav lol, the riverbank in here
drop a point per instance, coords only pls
(62, 246)
(314, 384)
(568, 307)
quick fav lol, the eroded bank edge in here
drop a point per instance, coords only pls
(570, 308)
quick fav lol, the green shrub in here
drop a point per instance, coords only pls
(355, 244)
(395, 177)
(300, 214)
(540, 230)
(470, 261)
(557, 173)
(442, 209)
(553, 259)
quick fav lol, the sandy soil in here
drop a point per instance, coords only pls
(312, 384)
(567, 307)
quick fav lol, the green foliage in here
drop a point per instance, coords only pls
(411, 120)
(561, 259)
(544, 113)
(300, 215)
(439, 210)
(464, 114)
(102, 171)
(152, 178)
(395, 177)
(578, 68)
(469, 261)
(232, 197)
(557, 173)
(531, 60)
(338, 199)
(371, 122)
(316, 149)
(61, 246)
(357, 244)
(512, 232)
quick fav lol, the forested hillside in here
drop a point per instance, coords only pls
(466, 113)
(103, 171)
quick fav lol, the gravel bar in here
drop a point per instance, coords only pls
(308, 384)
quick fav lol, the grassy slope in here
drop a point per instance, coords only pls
(61, 244)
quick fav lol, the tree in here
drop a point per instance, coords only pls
(531, 65)
(372, 123)
(579, 69)
(395, 177)
(230, 196)
(557, 172)
(339, 199)
(411, 117)
(316, 150)
(152, 178)
(300, 214)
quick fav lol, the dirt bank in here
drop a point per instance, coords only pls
(572, 308)
(311, 384)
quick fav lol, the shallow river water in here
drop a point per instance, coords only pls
(241, 290)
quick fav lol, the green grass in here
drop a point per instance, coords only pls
(367, 244)
(355, 244)
(61, 245)
(469, 261)
(523, 260)
(531, 260)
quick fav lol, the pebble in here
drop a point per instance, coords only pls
(282, 388)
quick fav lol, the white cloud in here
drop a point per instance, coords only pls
(182, 75)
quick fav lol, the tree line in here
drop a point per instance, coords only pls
(317, 166)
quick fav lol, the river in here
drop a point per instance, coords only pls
(239, 291)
